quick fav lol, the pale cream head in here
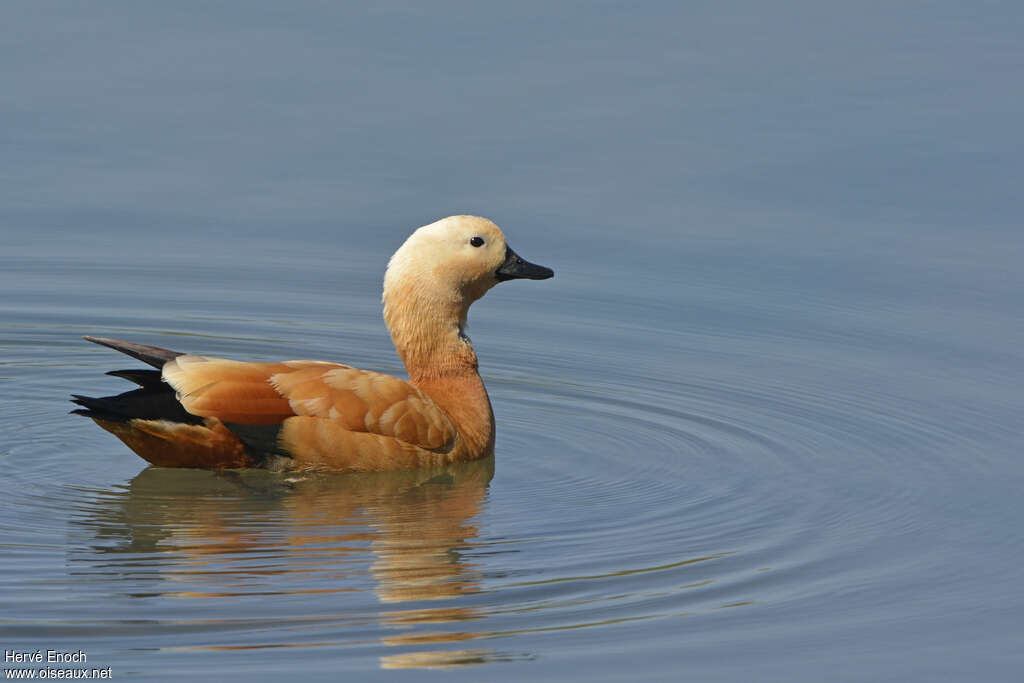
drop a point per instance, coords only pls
(454, 258)
(435, 276)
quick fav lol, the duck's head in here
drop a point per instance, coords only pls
(441, 269)
(458, 257)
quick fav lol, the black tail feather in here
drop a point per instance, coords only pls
(147, 403)
(154, 400)
(144, 378)
(151, 355)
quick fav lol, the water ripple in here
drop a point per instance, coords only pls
(627, 492)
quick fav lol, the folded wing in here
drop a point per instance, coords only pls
(326, 411)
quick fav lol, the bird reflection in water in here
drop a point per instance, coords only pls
(243, 532)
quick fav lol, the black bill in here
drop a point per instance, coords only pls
(515, 267)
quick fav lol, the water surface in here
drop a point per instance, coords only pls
(763, 424)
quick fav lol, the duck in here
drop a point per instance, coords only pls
(309, 415)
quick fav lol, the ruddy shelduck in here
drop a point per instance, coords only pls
(213, 413)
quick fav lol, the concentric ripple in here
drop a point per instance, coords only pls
(678, 489)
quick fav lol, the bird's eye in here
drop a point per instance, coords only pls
(477, 241)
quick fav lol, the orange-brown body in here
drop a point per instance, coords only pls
(315, 415)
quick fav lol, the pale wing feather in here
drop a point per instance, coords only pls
(364, 401)
(345, 397)
(232, 391)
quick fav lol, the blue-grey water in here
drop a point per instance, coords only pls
(764, 424)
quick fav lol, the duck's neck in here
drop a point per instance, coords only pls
(441, 362)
